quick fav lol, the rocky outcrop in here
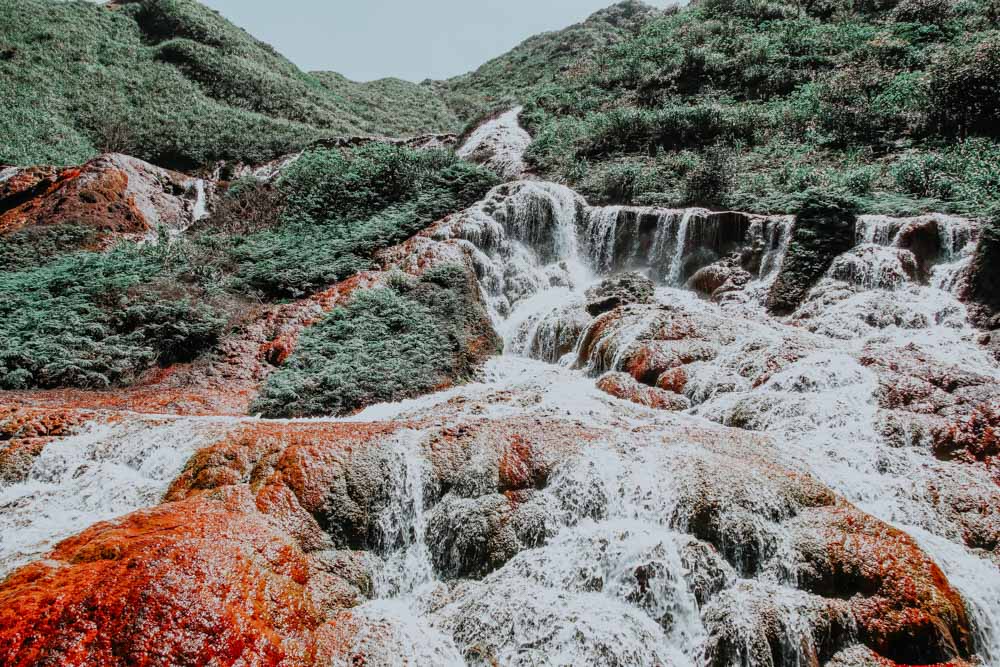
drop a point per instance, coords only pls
(621, 290)
(625, 387)
(824, 229)
(983, 289)
(115, 195)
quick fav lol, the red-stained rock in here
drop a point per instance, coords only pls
(647, 361)
(625, 387)
(112, 194)
(903, 605)
(203, 581)
(674, 380)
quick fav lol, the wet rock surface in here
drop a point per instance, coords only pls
(650, 475)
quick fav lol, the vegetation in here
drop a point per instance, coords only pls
(336, 210)
(174, 83)
(90, 319)
(387, 344)
(740, 104)
(94, 320)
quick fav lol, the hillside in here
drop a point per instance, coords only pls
(173, 82)
(743, 104)
(542, 59)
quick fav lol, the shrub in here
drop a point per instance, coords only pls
(337, 209)
(88, 321)
(387, 344)
(965, 86)
(37, 245)
(712, 179)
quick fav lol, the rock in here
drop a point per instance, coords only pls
(983, 289)
(720, 278)
(824, 229)
(625, 387)
(903, 605)
(112, 194)
(208, 579)
(766, 624)
(24, 434)
(623, 289)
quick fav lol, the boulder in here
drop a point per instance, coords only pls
(824, 229)
(625, 387)
(618, 291)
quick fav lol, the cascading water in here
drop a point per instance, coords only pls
(573, 600)
(105, 472)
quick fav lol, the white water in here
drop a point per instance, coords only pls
(538, 248)
(200, 210)
(8, 173)
(501, 142)
(105, 472)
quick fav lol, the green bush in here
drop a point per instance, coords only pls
(97, 320)
(965, 86)
(387, 344)
(333, 210)
(37, 245)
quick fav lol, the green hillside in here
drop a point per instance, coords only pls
(174, 83)
(746, 103)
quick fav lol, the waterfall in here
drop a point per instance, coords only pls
(401, 524)
(500, 143)
(677, 263)
(200, 210)
(105, 472)
(602, 231)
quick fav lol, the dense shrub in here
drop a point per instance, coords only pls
(387, 344)
(337, 209)
(965, 86)
(37, 245)
(97, 320)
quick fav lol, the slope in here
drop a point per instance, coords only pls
(172, 82)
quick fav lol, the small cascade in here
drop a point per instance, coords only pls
(105, 472)
(200, 210)
(8, 173)
(401, 524)
(677, 263)
(500, 144)
(602, 234)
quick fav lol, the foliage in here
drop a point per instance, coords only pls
(337, 209)
(833, 94)
(387, 344)
(35, 246)
(95, 320)
(172, 82)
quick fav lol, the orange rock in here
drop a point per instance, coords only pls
(624, 386)
(903, 604)
(204, 581)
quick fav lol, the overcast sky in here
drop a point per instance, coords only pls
(409, 39)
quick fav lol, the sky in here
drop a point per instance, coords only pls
(409, 39)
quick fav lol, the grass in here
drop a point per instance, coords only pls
(174, 83)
